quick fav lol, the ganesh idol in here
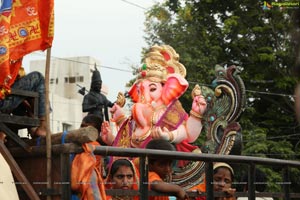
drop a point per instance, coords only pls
(156, 111)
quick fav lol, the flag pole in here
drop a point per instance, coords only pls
(47, 118)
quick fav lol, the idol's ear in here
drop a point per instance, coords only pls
(174, 87)
(134, 93)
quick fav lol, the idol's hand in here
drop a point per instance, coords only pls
(199, 104)
(106, 133)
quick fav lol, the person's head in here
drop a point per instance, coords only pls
(122, 175)
(92, 120)
(21, 72)
(162, 166)
(260, 181)
(223, 176)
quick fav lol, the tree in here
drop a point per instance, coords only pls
(208, 32)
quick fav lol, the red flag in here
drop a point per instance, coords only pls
(25, 26)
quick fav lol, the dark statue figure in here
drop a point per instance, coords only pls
(94, 102)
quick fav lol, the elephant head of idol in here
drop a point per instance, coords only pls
(161, 79)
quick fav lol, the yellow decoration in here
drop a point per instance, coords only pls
(161, 61)
(121, 100)
(218, 92)
(196, 91)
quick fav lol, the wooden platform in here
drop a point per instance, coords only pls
(35, 169)
(30, 167)
(10, 123)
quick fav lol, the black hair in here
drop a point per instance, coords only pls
(260, 180)
(117, 164)
(94, 120)
(159, 144)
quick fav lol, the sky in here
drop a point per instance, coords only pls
(111, 31)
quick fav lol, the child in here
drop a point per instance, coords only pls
(94, 121)
(160, 171)
(223, 177)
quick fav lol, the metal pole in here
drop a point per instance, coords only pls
(143, 177)
(286, 183)
(251, 180)
(209, 180)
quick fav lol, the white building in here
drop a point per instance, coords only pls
(67, 76)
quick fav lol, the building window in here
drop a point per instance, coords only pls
(79, 79)
(66, 127)
(72, 79)
(52, 80)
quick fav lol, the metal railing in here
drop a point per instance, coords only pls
(208, 159)
(65, 150)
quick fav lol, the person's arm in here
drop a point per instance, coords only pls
(161, 186)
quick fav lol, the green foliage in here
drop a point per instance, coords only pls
(206, 33)
(274, 179)
(281, 149)
(230, 23)
(253, 145)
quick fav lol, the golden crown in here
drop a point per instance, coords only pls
(159, 62)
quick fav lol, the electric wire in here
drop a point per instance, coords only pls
(134, 4)
(132, 71)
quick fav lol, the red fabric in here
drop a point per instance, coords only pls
(184, 146)
(200, 198)
(25, 26)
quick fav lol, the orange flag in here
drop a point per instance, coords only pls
(25, 26)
